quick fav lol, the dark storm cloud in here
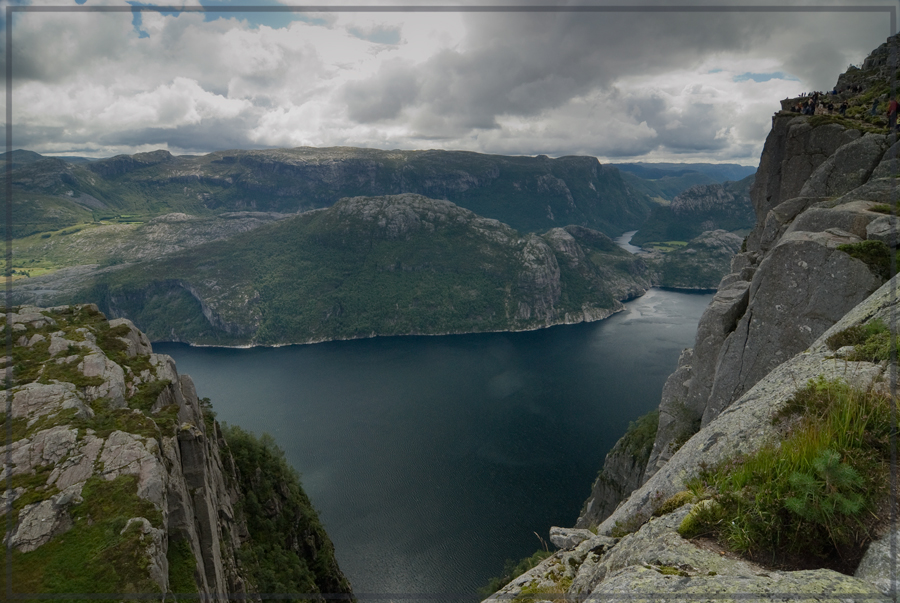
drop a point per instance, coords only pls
(383, 96)
(190, 138)
(525, 65)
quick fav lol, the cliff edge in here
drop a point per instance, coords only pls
(748, 488)
(119, 479)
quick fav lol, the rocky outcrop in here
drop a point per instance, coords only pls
(653, 557)
(108, 438)
(819, 199)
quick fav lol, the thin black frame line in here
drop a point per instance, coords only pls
(442, 8)
(891, 10)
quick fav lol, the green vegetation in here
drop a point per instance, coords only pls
(817, 493)
(512, 569)
(182, 567)
(875, 254)
(674, 502)
(861, 120)
(98, 554)
(872, 342)
(341, 273)
(640, 435)
(289, 551)
(670, 225)
(33, 364)
(627, 526)
(530, 193)
(531, 592)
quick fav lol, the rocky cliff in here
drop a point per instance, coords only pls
(119, 480)
(805, 300)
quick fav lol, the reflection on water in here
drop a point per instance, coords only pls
(433, 459)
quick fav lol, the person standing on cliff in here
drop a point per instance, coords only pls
(892, 114)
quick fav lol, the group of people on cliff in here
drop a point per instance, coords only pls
(812, 107)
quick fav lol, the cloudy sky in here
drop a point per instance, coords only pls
(622, 86)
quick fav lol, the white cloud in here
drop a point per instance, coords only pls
(612, 85)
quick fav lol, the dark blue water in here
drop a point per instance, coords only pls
(431, 460)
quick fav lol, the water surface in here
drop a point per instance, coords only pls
(431, 460)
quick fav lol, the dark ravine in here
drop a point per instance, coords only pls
(121, 480)
(821, 199)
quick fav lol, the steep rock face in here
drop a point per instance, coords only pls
(118, 473)
(623, 471)
(652, 557)
(820, 187)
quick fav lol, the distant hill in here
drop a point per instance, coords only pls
(20, 157)
(531, 194)
(718, 172)
(389, 265)
(664, 181)
(698, 209)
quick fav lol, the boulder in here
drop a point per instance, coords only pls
(39, 522)
(889, 166)
(155, 545)
(129, 454)
(569, 538)
(801, 289)
(885, 229)
(137, 343)
(113, 386)
(878, 566)
(779, 218)
(35, 400)
(849, 167)
(852, 217)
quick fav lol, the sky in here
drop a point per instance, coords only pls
(621, 86)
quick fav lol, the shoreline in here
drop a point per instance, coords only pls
(375, 335)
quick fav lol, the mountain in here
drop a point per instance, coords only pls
(119, 479)
(390, 265)
(531, 194)
(766, 468)
(698, 209)
(717, 172)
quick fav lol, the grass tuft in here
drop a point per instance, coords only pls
(814, 495)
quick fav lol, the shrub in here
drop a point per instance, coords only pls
(813, 494)
(674, 502)
(511, 569)
(875, 254)
(872, 341)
